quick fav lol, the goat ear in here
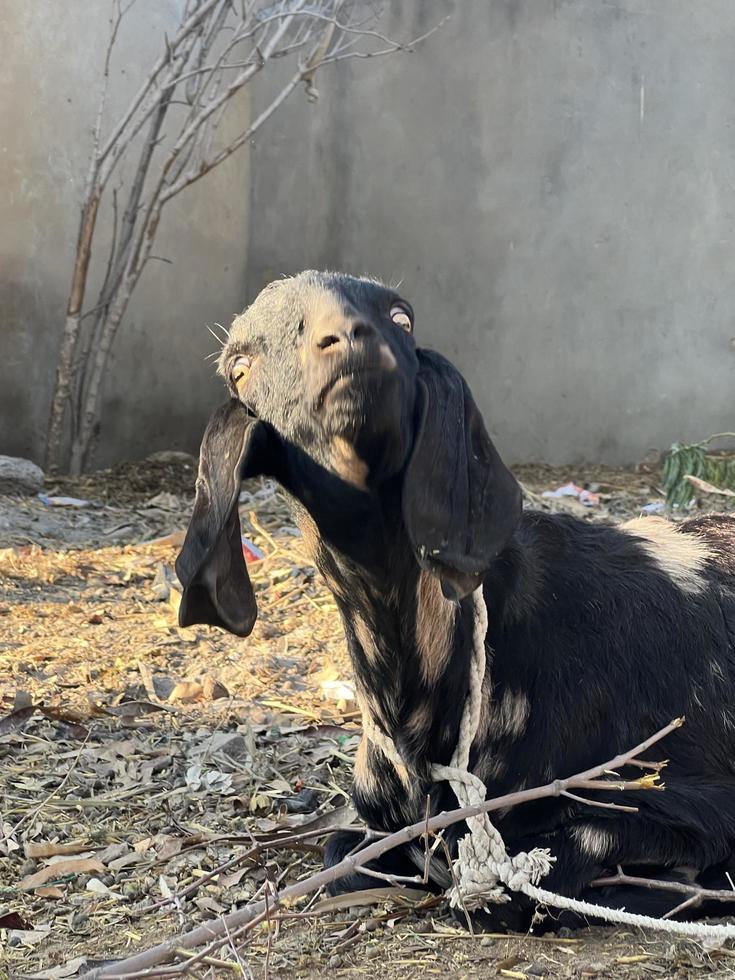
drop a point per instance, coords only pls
(460, 503)
(211, 566)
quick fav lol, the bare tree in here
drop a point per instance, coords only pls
(217, 48)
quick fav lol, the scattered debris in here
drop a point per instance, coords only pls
(251, 551)
(583, 494)
(64, 501)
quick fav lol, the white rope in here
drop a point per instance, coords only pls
(483, 869)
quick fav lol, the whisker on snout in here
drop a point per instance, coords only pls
(219, 339)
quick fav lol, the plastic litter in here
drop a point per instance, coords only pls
(251, 552)
(582, 494)
(64, 501)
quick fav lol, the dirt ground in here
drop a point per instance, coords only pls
(136, 757)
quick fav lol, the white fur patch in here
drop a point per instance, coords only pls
(594, 842)
(680, 556)
(509, 715)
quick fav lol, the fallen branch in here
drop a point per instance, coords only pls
(708, 488)
(696, 893)
(229, 927)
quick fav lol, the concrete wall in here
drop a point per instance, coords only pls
(553, 181)
(159, 390)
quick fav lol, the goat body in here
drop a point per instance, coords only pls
(598, 635)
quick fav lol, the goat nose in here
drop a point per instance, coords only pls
(351, 333)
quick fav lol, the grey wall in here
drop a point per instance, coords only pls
(552, 180)
(159, 390)
(554, 183)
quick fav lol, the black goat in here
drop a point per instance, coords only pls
(598, 635)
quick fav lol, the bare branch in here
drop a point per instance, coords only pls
(607, 806)
(186, 29)
(203, 65)
(696, 893)
(208, 165)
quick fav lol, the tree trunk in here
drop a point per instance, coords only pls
(64, 371)
(83, 440)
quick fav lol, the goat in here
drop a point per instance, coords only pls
(598, 635)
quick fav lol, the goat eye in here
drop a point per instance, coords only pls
(401, 317)
(240, 370)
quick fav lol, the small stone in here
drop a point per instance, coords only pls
(564, 932)
(487, 941)
(214, 689)
(19, 477)
(335, 961)
(231, 744)
(186, 691)
(535, 970)
(590, 969)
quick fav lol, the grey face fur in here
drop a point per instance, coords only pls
(329, 361)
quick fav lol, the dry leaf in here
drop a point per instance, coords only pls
(164, 887)
(73, 866)
(14, 920)
(16, 719)
(227, 881)
(61, 972)
(129, 710)
(71, 719)
(100, 888)
(28, 937)
(370, 896)
(125, 861)
(49, 891)
(43, 849)
(206, 904)
(167, 846)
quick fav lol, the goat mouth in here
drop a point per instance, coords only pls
(350, 382)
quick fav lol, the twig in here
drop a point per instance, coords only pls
(244, 918)
(697, 893)
(607, 806)
(389, 878)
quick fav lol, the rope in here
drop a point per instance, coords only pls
(483, 869)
